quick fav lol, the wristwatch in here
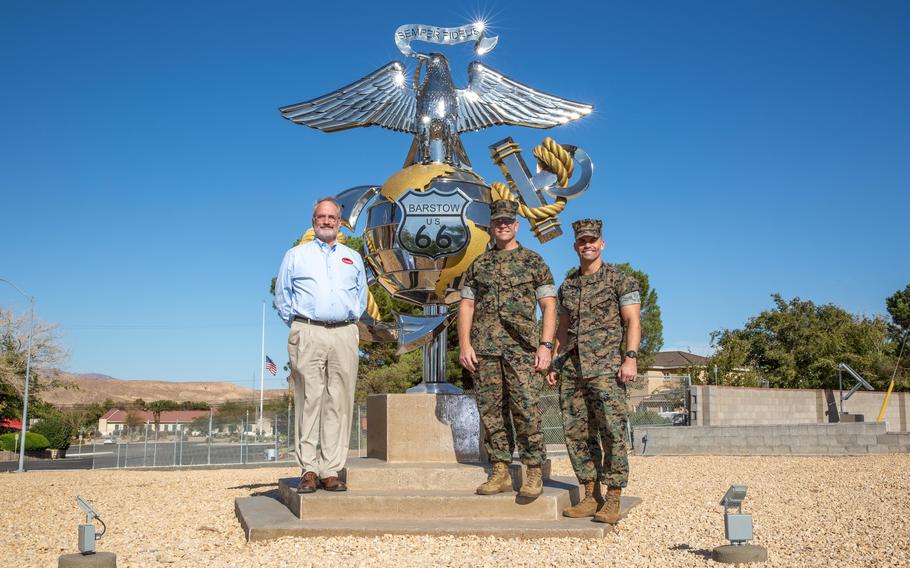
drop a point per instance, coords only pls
(631, 354)
(547, 344)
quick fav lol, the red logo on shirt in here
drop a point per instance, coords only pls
(347, 260)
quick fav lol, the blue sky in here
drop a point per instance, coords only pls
(150, 188)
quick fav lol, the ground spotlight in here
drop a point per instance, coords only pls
(738, 530)
(87, 535)
(87, 557)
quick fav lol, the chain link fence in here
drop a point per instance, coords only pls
(660, 401)
(234, 434)
(551, 419)
(228, 435)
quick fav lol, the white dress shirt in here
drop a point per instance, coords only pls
(321, 282)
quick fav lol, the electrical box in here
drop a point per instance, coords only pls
(87, 539)
(738, 527)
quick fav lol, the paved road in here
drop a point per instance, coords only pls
(34, 465)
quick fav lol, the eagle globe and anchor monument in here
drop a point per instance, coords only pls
(424, 226)
(428, 222)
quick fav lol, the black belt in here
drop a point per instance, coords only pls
(324, 323)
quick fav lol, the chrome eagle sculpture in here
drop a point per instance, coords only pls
(417, 256)
(431, 106)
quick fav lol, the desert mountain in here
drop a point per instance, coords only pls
(93, 387)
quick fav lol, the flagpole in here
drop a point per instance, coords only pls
(262, 369)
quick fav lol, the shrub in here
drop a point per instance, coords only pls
(33, 441)
(646, 417)
(58, 433)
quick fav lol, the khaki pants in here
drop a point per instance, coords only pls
(324, 374)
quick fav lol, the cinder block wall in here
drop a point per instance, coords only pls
(870, 403)
(781, 439)
(737, 406)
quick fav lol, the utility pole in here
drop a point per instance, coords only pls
(259, 426)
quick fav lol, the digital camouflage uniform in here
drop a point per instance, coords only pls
(593, 400)
(505, 286)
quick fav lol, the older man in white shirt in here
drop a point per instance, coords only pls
(320, 292)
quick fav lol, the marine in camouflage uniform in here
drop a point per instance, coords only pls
(592, 391)
(504, 286)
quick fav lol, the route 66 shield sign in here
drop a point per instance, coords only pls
(433, 222)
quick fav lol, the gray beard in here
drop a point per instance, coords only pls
(326, 235)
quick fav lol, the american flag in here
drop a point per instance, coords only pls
(270, 366)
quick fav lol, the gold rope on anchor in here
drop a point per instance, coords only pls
(551, 156)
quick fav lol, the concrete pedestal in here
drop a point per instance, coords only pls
(425, 461)
(424, 428)
(97, 560)
(739, 554)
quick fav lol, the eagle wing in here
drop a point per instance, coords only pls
(382, 98)
(493, 99)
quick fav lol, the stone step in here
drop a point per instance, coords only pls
(264, 518)
(558, 494)
(373, 474)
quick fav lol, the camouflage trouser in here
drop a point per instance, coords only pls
(591, 409)
(509, 384)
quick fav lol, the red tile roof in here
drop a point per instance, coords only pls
(13, 423)
(118, 416)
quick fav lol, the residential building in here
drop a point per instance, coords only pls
(669, 365)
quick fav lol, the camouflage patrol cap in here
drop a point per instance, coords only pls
(587, 228)
(503, 209)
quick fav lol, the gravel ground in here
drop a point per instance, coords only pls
(808, 511)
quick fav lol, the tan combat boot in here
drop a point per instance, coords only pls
(587, 507)
(609, 513)
(498, 482)
(533, 484)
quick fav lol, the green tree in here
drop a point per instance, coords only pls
(652, 326)
(382, 370)
(83, 419)
(133, 421)
(156, 407)
(898, 305)
(799, 344)
(58, 432)
(232, 415)
(45, 355)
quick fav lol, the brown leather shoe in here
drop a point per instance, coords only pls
(309, 483)
(333, 484)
